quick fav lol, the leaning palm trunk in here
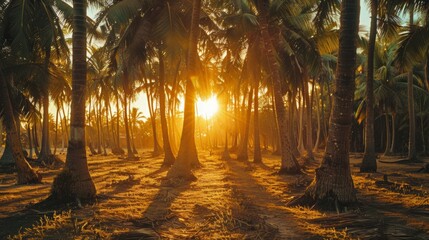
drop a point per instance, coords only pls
(289, 164)
(333, 184)
(75, 181)
(25, 174)
(369, 163)
(187, 155)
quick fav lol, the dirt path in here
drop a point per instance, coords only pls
(230, 200)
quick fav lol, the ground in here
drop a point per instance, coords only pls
(230, 200)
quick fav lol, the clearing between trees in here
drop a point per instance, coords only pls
(230, 200)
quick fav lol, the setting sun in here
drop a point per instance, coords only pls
(207, 108)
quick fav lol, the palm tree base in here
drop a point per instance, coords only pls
(29, 177)
(225, 155)
(369, 164)
(118, 151)
(326, 204)
(180, 173)
(50, 160)
(289, 171)
(66, 188)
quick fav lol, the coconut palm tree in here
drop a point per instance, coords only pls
(413, 48)
(75, 180)
(187, 155)
(333, 184)
(26, 173)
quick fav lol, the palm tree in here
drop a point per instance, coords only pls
(369, 163)
(289, 163)
(187, 155)
(168, 153)
(333, 184)
(75, 180)
(413, 48)
(26, 174)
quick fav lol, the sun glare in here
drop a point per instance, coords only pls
(207, 108)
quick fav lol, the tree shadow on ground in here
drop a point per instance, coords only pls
(29, 216)
(159, 212)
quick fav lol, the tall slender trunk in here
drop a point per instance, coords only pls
(125, 112)
(187, 155)
(36, 139)
(412, 152)
(56, 130)
(30, 140)
(257, 156)
(289, 164)
(25, 174)
(319, 127)
(243, 153)
(168, 153)
(388, 136)
(225, 154)
(333, 183)
(45, 150)
(369, 163)
(308, 116)
(392, 145)
(75, 181)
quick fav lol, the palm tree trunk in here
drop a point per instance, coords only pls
(125, 112)
(412, 152)
(25, 174)
(392, 145)
(45, 150)
(257, 156)
(76, 171)
(156, 147)
(168, 153)
(289, 164)
(369, 163)
(308, 117)
(333, 184)
(187, 155)
(243, 153)
(319, 127)
(30, 141)
(388, 136)
(56, 130)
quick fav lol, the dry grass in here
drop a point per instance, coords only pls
(230, 200)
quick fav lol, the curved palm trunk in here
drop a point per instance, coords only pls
(289, 164)
(333, 183)
(369, 163)
(75, 181)
(168, 153)
(187, 156)
(25, 174)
